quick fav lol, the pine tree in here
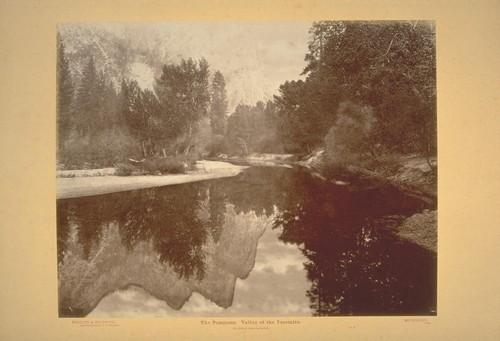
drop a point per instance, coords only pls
(218, 108)
(132, 111)
(87, 101)
(64, 96)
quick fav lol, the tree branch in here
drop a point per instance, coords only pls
(388, 49)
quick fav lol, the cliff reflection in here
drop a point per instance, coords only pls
(200, 237)
(170, 241)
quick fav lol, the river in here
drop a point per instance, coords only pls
(269, 242)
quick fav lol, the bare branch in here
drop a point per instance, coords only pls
(388, 49)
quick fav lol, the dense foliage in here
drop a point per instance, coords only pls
(369, 90)
(386, 69)
(98, 126)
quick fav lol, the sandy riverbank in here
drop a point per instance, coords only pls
(79, 186)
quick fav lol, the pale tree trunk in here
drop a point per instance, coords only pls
(143, 148)
(151, 147)
(188, 148)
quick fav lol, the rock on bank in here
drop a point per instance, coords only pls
(421, 229)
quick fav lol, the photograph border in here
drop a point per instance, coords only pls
(467, 51)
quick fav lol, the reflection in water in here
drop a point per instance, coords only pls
(200, 237)
(171, 222)
(356, 265)
(164, 240)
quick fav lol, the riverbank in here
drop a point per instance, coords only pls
(411, 174)
(259, 159)
(79, 183)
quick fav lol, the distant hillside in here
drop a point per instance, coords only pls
(116, 57)
(138, 51)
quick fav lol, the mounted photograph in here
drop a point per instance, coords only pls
(246, 169)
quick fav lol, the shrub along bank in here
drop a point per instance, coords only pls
(159, 166)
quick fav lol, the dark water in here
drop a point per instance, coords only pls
(271, 241)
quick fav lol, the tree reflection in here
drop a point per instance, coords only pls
(355, 264)
(62, 229)
(168, 217)
(257, 189)
(89, 219)
(217, 210)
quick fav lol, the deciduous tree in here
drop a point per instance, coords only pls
(184, 97)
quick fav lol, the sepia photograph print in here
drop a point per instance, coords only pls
(246, 169)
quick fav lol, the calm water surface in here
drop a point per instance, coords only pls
(268, 242)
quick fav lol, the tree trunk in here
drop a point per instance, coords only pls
(186, 151)
(427, 148)
(151, 149)
(143, 149)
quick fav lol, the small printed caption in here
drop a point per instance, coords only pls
(250, 324)
(95, 323)
(417, 320)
